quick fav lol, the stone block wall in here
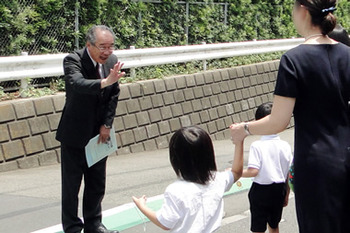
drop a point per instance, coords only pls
(148, 113)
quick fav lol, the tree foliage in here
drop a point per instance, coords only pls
(48, 26)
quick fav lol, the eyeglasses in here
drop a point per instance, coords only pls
(103, 48)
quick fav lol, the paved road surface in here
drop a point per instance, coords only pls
(30, 198)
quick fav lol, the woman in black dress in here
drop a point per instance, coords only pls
(313, 83)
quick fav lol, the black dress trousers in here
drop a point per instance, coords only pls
(74, 169)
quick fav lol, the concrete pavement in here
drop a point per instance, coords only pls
(30, 198)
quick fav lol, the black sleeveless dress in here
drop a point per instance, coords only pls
(318, 76)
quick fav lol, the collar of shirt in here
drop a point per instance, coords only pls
(94, 62)
(270, 137)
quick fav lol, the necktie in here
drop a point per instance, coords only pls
(98, 75)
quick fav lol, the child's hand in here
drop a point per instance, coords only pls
(140, 201)
(237, 133)
(149, 213)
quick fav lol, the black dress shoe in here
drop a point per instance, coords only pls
(100, 229)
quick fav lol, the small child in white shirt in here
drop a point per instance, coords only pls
(194, 202)
(269, 162)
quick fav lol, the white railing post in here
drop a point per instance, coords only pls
(204, 61)
(132, 70)
(24, 81)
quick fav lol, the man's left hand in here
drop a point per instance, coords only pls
(104, 134)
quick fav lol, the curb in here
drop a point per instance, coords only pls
(126, 216)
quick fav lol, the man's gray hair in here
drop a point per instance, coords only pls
(91, 34)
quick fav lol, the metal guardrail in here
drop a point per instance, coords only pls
(177, 54)
(36, 66)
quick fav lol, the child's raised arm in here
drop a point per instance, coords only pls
(237, 164)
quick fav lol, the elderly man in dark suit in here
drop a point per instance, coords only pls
(92, 90)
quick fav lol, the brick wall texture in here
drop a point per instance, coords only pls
(147, 115)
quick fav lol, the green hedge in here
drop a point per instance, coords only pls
(48, 26)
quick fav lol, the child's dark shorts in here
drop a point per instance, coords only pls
(266, 205)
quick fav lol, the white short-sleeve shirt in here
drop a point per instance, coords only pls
(272, 157)
(194, 208)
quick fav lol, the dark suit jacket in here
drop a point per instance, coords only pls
(87, 106)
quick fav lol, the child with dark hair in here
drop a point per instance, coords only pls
(194, 202)
(269, 161)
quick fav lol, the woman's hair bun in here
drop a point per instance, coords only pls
(322, 13)
(328, 23)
